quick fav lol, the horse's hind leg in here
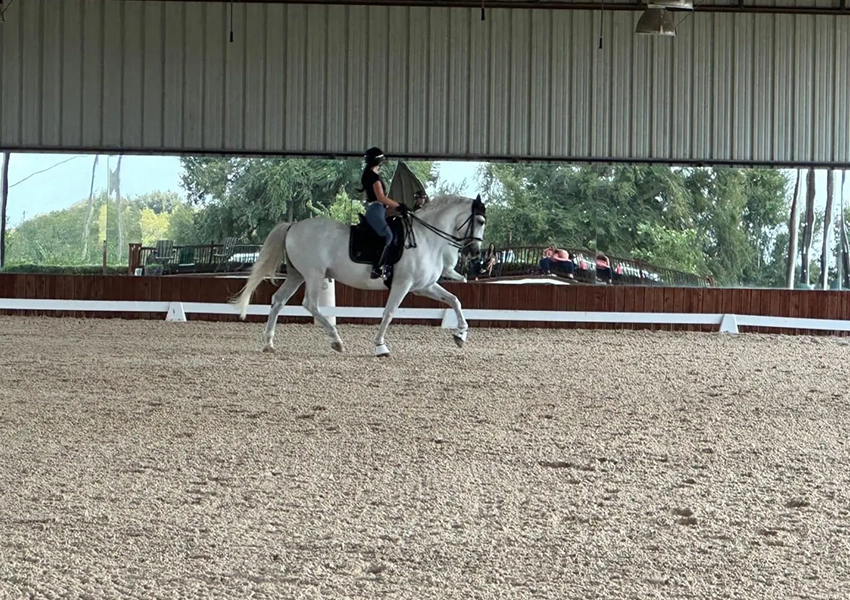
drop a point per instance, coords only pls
(281, 297)
(311, 303)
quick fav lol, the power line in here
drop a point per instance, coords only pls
(31, 175)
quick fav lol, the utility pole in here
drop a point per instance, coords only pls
(793, 234)
(842, 237)
(4, 198)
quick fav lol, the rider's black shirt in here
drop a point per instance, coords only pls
(367, 180)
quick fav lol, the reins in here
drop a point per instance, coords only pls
(457, 242)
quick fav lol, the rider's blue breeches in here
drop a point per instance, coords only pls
(376, 216)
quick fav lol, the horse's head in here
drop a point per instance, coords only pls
(471, 227)
(457, 219)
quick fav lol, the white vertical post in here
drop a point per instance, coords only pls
(449, 319)
(176, 312)
(729, 324)
(327, 297)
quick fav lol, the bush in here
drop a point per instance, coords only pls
(54, 270)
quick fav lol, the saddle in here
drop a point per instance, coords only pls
(365, 246)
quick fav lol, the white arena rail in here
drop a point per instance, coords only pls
(177, 311)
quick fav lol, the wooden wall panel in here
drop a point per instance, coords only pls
(775, 302)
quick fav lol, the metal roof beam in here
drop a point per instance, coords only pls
(838, 8)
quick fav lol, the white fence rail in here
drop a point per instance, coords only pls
(177, 311)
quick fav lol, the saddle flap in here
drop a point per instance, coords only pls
(366, 246)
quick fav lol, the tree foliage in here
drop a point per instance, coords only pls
(729, 223)
(247, 197)
(53, 238)
(56, 238)
(722, 222)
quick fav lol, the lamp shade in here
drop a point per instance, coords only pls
(671, 4)
(656, 21)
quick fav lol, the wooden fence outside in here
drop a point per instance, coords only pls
(768, 302)
(513, 261)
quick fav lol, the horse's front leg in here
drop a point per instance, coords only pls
(397, 294)
(452, 275)
(440, 294)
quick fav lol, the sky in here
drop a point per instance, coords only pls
(41, 183)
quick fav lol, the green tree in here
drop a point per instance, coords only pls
(56, 238)
(582, 207)
(182, 227)
(343, 209)
(680, 250)
(107, 222)
(158, 202)
(707, 221)
(534, 204)
(247, 197)
(153, 226)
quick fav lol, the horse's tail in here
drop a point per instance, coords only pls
(271, 255)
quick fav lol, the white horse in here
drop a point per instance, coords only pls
(318, 248)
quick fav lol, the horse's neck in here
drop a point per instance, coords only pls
(444, 220)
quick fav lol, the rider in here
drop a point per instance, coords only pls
(377, 202)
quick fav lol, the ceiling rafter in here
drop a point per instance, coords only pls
(835, 7)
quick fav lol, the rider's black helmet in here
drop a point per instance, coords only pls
(374, 156)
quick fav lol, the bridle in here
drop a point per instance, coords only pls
(478, 209)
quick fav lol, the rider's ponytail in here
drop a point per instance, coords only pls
(362, 189)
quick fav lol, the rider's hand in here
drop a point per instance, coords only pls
(402, 209)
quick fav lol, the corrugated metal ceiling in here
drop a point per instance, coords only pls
(159, 76)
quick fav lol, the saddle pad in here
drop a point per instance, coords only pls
(365, 246)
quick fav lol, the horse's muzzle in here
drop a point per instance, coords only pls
(470, 248)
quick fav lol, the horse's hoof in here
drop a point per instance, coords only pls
(460, 338)
(337, 346)
(381, 351)
(268, 348)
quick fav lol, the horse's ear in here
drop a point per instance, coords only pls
(478, 206)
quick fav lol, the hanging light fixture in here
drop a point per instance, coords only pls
(671, 4)
(656, 21)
